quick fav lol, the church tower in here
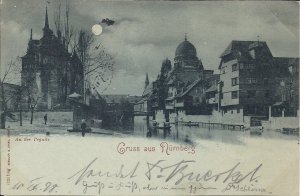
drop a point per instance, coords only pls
(146, 81)
(47, 32)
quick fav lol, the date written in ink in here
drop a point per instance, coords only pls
(39, 184)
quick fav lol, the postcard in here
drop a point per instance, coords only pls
(149, 97)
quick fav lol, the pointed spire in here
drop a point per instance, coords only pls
(185, 37)
(47, 31)
(147, 80)
(30, 34)
(46, 19)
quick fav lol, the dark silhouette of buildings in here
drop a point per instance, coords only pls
(49, 72)
(252, 80)
(251, 84)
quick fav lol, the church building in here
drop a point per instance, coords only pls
(178, 88)
(49, 72)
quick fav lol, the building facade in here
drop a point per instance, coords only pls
(245, 85)
(49, 72)
(252, 84)
(181, 88)
(251, 78)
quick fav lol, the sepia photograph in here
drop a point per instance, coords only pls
(95, 96)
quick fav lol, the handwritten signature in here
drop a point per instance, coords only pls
(172, 175)
(175, 173)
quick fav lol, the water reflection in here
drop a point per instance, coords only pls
(189, 134)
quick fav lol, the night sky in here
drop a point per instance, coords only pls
(145, 33)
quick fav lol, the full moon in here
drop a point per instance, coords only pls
(97, 29)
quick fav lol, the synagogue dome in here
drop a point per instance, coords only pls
(185, 49)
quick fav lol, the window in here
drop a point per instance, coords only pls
(266, 81)
(291, 69)
(234, 95)
(241, 65)
(238, 110)
(234, 67)
(282, 70)
(249, 66)
(234, 81)
(251, 81)
(252, 53)
(251, 93)
(223, 70)
(267, 94)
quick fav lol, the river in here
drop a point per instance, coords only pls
(182, 133)
(176, 133)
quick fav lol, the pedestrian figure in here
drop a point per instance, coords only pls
(83, 127)
(187, 139)
(45, 119)
(149, 134)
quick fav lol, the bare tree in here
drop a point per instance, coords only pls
(11, 71)
(97, 63)
(57, 18)
(83, 45)
(33, 103)
(100, 68)
(68, 28)
(62, 23)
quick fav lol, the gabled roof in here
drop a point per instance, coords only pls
(75, 95)
(169, 98)
(278, 104)
(171, 81)
(287, 61)
(10, 87)
(189, 88)
(141, 101)
(134, 99)
(236, 45)
(282, 64)
(212, 88)
(148, 90)
(240, 49)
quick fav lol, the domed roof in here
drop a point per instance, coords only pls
(186, 48)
